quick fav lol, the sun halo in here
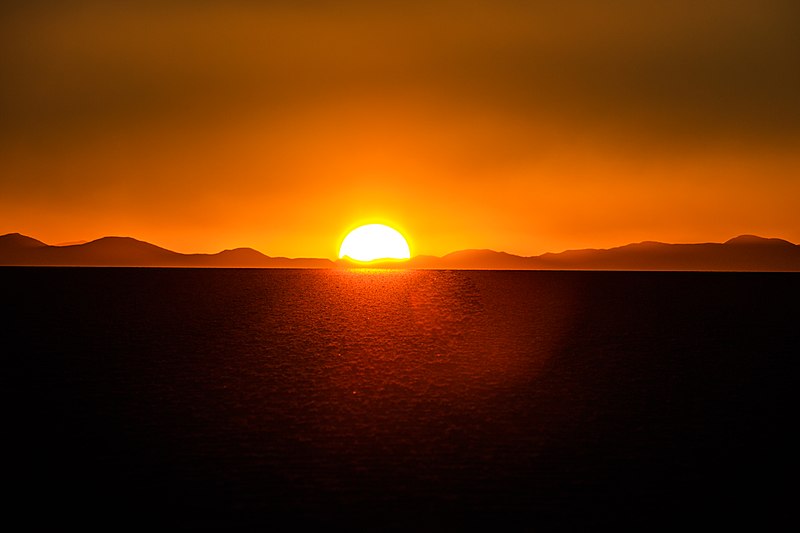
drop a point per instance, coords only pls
(374, 242)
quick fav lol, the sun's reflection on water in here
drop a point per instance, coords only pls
(407, 357)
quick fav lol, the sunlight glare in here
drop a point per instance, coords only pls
(373, 242)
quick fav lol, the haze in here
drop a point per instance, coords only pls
(517, 126)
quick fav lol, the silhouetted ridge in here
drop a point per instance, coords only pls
(17, 249)
(239, 257)
(484, 259)
(742, 253)
(754, 240)
(17, 240)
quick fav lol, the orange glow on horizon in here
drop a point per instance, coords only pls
(510, 127)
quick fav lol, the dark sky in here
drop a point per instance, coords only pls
(522, 126)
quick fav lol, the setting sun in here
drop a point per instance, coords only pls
(372, 242)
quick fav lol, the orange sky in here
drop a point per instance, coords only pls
(517, 126)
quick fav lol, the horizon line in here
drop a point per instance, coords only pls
(334, 259)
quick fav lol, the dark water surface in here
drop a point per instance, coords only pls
(418, 400)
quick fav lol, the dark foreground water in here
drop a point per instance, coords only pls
(419, 400)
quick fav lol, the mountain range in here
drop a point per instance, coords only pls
(742, 253)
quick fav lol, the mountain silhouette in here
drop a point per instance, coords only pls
(14, 241)
(742, 253)
(16, 249)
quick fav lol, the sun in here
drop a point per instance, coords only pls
(373, 242)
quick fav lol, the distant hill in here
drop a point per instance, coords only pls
(14, 241)
(743, 253)
(16, 249)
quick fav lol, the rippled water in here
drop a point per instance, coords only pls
(398, 399)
